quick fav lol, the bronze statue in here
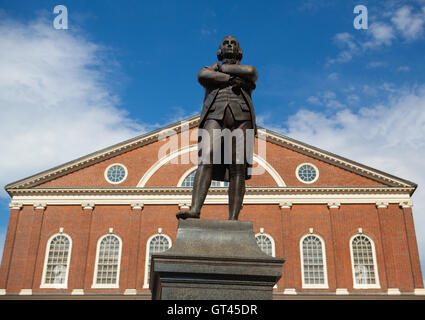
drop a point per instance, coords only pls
(227, 105)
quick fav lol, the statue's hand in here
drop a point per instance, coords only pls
(216, 66)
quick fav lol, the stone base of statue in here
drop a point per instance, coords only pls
(214, 260)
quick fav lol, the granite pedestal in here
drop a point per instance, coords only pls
(214, 260)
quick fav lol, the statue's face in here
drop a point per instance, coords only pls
(229, 47)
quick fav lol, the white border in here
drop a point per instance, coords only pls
(375, 265)
(325, 269)
(107, 285)
(46, 257)
(145, 282)
(310, 164)
(155, 167)
(115, 164)
(149, 173)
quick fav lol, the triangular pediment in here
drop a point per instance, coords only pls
(372, 177)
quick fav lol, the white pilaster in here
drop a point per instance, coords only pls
(285, 205)
(334, 205)
(382, 204)
(15, 205)
(137, 206)
(87, 205)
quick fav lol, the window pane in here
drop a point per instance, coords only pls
(57, 260)
(158, 244)
(108, 260)
(265, 244)
(314, 272)
(364, 264)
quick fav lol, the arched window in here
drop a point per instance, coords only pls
(108, 261)
(313, 262)
(56, 263)
(157, 243)
(266, 243)
(363, 258)
(189, 180)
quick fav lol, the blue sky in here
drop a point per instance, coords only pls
(128, 67)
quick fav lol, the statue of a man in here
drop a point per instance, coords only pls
(227, 106)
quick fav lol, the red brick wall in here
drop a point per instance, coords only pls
(398, 264)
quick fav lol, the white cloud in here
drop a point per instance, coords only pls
(348, 46)
(409, 24)
(388, 137)
(345, 39)
(314, 100)
(55, 104)
(376, 64)
(353, 99)
(327, 98)
(380, 34)
(403, 68)
(404, 23)
(333, 76)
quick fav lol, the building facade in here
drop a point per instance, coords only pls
(88, 227)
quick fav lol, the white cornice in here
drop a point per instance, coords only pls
(188, 190)
(283, 197)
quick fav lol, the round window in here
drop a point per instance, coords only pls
(307, 173)
(116, 173)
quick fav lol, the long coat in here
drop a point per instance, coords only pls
(221, 172)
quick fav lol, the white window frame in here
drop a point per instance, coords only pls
(375, 265)
(46, 257)
(271, 240)
(115, 164)
(310, 164)
(324, 285)
(147, 264)
(107, 285)
(185, 175)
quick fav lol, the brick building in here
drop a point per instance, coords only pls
(88, 227)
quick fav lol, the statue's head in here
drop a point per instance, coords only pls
(229, 50)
